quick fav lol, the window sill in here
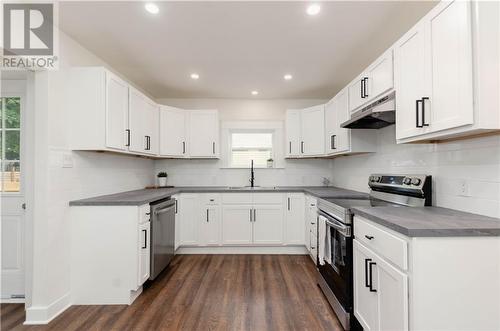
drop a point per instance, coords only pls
(248, 168)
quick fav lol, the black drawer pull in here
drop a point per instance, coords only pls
(369, 237)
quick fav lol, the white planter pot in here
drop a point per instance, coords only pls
(162, 181)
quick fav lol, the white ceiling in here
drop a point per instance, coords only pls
(237, 47)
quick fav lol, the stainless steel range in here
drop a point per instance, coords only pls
(335, 266)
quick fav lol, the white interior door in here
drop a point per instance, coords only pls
(12, 190)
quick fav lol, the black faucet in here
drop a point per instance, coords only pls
(252, 176)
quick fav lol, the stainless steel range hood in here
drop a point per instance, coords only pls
(376, 115)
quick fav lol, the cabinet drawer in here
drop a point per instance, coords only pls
(210, 199)
(144, 211)
(237, 198)
(381, 241)
(267, 198)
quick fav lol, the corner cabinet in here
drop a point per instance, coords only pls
(305, 131)
(446, 68)
(144, 127)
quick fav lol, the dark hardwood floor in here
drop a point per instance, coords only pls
(209, 292)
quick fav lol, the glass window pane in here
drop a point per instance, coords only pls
(242, 159)
(12, 112)
(252, 140)
(11, 177)
(12, 143)
(1, 145)
(1, 112)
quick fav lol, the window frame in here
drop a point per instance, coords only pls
(3, 130)
(250, 131)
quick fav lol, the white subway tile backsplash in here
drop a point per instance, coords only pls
(476, 160)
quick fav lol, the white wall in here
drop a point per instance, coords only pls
(211, 172)
(91, 174)
(477, 161)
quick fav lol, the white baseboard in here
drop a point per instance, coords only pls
(10, 300)
(286, 250)
(44, 314)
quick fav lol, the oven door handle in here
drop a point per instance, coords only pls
(337, 225)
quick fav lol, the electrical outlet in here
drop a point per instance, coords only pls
(463, 188)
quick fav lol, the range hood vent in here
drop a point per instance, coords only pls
(376, 115)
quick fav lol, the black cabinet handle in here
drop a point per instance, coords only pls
(361, 88)
(207, 215)
(288, 203)
(417, 111)
(332, 141)
(365, 89)
(369, 237)
(254, 216)
(213, 147)
(145, 239)
(367, 283)
(290, 147)
(148, 143)
(423, 111)
(128, 137)
(183, 147)
(250, 215)
(302, 147)
(176, 206)
(370, 271)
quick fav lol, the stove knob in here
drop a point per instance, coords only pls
(416, 181)
(407, 181)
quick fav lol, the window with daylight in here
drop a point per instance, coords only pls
(248, 146)
(10, 142)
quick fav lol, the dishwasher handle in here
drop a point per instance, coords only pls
(170, 206)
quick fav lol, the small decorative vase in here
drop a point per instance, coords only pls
(162, 181)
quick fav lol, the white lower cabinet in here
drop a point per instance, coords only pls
(294, 219)
(268, 224)
(188, 207)
(380, 292)
(144, 252)
(237, 224)
(210, 226)
(311, 225)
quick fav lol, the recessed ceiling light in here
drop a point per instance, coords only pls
(152, 8)
(195, 76)
(313, 9)
(288, 77)
(255, 92)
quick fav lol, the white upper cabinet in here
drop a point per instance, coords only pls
(312, 131)
(143, 118)
(293, 133)
(305, 132)
(443, 91)
(203, 134)
(173, 126)
(117, 104)
(377, 79)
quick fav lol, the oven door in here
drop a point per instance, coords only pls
(337, 270)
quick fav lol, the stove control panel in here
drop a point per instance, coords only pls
(401, 181)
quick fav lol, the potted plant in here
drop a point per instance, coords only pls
(162, 178)
(270, 163)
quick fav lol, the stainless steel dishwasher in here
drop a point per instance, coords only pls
(162, 235)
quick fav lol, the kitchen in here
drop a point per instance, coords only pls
(229, 179)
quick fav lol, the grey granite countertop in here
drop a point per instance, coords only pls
(430, 221)
(144, 196)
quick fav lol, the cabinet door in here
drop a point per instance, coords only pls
(294, 219)
(188, 206)
(210, 227)
(117, 105)
(177, 223)
(313, 131)
(330, 126)
(203, 133)
(236, 224)
(173, 131)
(450, 105)
(268, 224)
(356, 93)
(293, 133)
(138, 122)
(342, 140)
(392, 289)
(144, 252)
(365, 301)
(410, 66)
(380, 76)
(151, 126)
